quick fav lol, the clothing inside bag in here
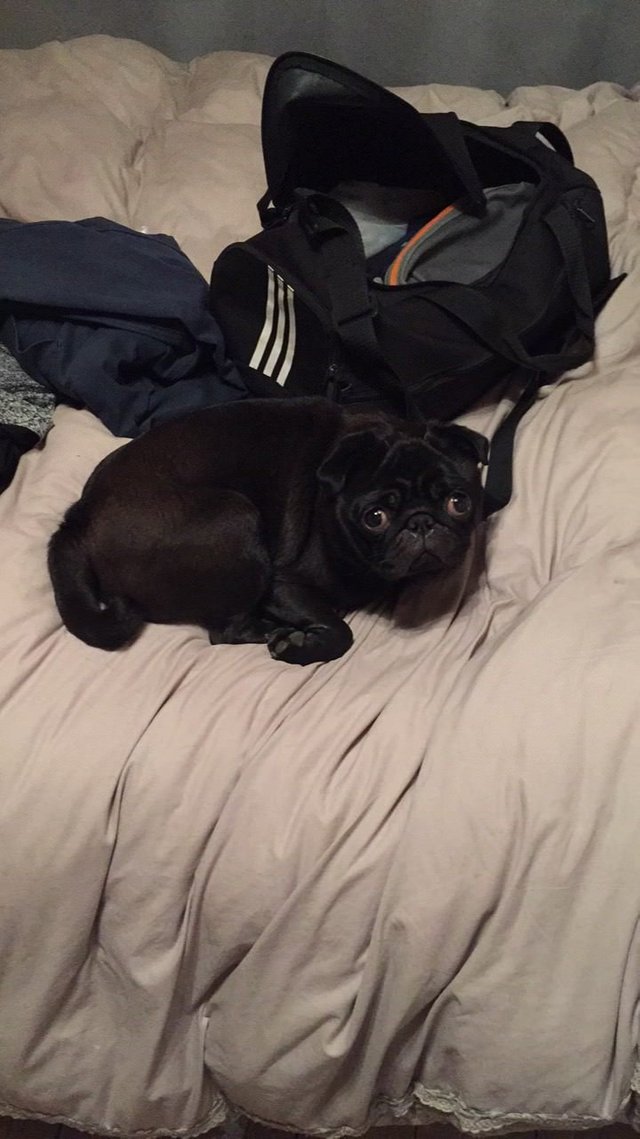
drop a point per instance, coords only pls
(406, 242)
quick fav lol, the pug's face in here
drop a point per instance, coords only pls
(406, 506)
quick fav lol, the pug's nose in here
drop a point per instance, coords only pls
(419, 522)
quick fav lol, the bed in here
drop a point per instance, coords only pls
(401, 887)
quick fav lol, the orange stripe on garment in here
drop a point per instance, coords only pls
(394, 271)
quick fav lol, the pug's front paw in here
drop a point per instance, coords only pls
(311, 645)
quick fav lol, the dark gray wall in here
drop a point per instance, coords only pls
(487, 43)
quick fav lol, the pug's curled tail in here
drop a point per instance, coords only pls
(103, 622)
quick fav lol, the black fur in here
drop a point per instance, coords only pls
(254, 520)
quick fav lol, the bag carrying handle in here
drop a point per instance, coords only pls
(446, 129)
(330, 228)
(530, 131)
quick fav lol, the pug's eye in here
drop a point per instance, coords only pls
(375, 518)
(458, 505)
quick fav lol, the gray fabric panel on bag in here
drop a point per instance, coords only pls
(463, 248)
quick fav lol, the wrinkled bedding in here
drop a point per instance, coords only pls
(401, 886)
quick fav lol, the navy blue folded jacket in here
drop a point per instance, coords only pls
(113, 320)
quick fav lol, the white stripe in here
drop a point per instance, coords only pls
(291, 346)
(280, 329)
(268, 321)
(542, 138)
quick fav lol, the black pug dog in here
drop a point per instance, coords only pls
(264, 521)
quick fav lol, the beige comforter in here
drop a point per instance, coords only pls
(405, 884)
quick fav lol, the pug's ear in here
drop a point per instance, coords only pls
(359, 448)
(456, 441)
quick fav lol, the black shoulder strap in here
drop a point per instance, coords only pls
(554, 135)
(499, 482)
(446, 129)
(332, 231)
(530, 135)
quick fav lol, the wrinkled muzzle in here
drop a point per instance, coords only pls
(422, 545)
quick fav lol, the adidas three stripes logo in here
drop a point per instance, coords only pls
(276, 344)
